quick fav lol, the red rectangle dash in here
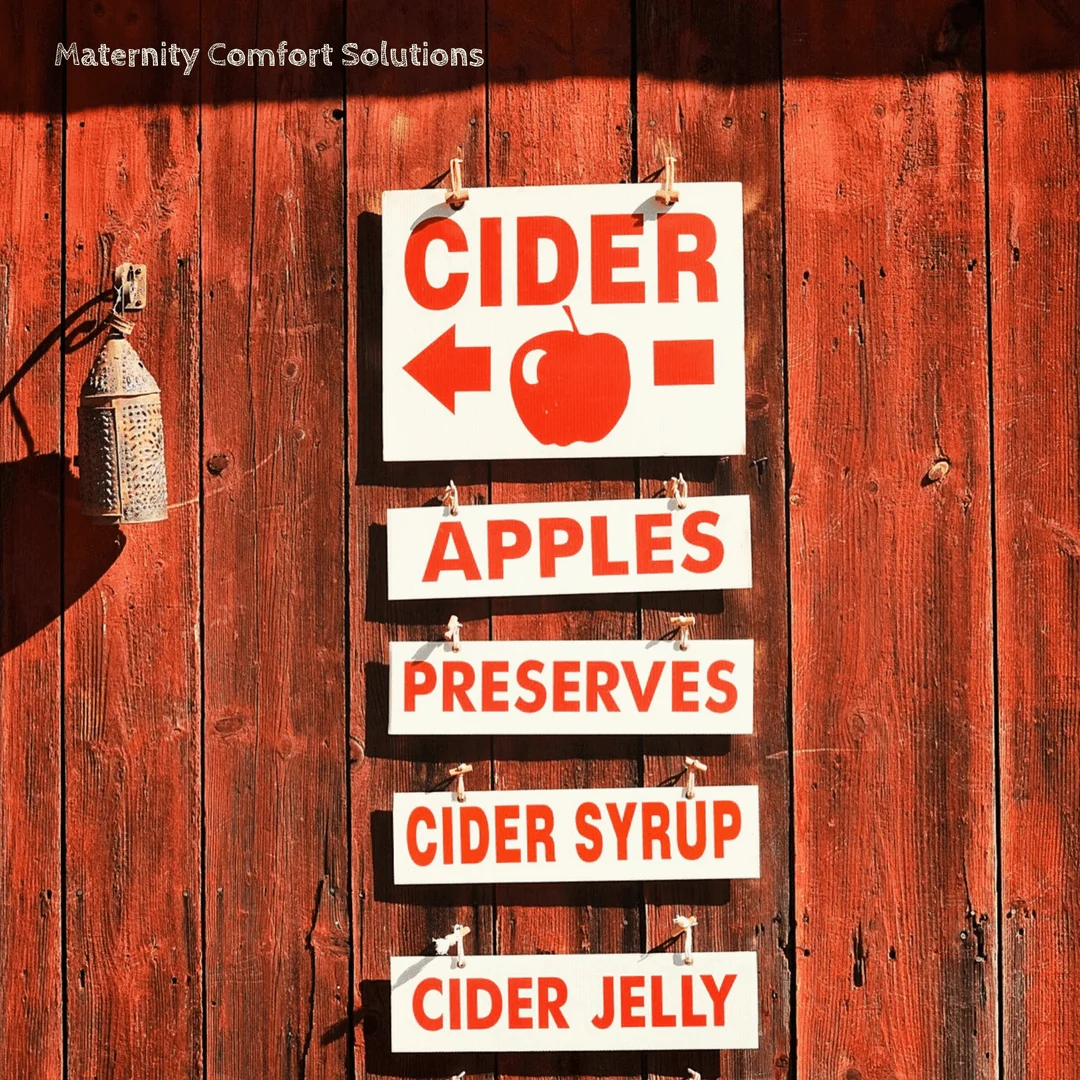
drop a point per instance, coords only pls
(683, 363)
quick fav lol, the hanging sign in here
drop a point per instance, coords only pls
(563, 322)
(586, 1002)
(572, 688)
(601, 834)
(604, 546)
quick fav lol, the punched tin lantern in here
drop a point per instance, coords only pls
(121, 437)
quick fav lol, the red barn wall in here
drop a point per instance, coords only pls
(195, 771)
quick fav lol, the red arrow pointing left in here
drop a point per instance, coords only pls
(444, 368)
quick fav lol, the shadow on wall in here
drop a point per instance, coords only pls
(32, 543)
(375, 1016)
(675, 40)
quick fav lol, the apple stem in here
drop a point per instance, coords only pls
(570, 316)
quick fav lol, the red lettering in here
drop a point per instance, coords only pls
(682, 684)
(517, 1002)
(621, 825)
(473, 850)
(597, 690)
(491, 262)
(425, 856)
(473, 987)
(455, 1004)
(682, 814)
(606, 1017)
(491, 686)
(629, 1001)
(551, 997)
(431, 230)
(670, 261)
(562, 685)
(458, 679)
(727, 823)
(506, 834)
(643, 698)
(499, 551)
(464, 560)
(448, 835)
(539, 821)
(712, 544)
(689, 1017)
(539, 691)
(659, 1017)
(420, 1014)
(593, 847)
(602, 566)
(655, 820)
(550, 550)
(606, 258)
(718, 995)
(648, 544)
(530, 231)
(420, 679)
(726, 688)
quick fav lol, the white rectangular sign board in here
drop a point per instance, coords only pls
(598, 834)
(584, 321)
(572, 688)
(603, 546)
(588, 1002)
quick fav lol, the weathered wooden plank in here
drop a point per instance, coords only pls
(560, 114)
(404, 125)
(277, 861)
(131, 672)
(890, 583)
(1034, 184)
(727, 127)
(32, 475)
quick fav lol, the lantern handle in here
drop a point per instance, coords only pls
(129, 281)
(129, 285)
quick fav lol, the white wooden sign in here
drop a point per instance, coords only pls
(572, 688)
(563, 322)
(586, 1002)
(604, 546)
(599, 834)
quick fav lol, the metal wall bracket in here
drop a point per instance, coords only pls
(129, 280)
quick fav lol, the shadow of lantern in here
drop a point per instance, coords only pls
(50, 553)
(32, 546)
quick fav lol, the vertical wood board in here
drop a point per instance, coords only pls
(277, 860)
(1034, 183)
(728, 128)
(131, 633)
(33, 478)
(892, 629)
(403, 126)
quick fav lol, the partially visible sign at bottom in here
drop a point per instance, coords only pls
(585, 1002)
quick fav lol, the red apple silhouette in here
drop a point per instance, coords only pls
(580, 389)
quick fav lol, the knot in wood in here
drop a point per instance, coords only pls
(938, 471)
